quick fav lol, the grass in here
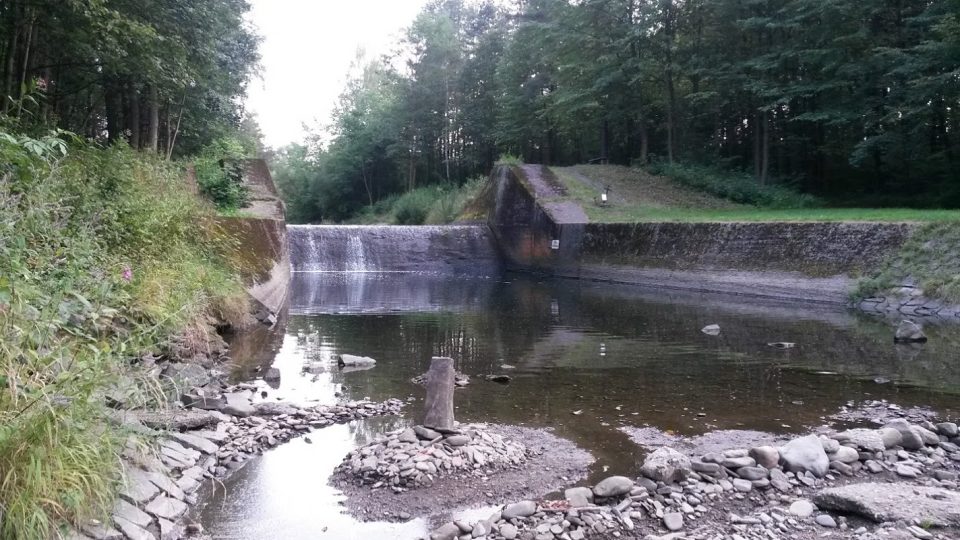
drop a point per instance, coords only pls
(104, 255)
(637, 196)
(930, 260)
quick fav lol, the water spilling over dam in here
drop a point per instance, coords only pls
(446, 249)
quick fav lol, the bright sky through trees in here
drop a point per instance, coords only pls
(307, 49)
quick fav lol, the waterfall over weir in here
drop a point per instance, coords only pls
(441, 249)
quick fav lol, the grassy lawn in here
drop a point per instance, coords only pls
(636, 196)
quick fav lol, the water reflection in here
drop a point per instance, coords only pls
(622, 356)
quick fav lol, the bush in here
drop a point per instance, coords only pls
(103, 256)
(218, 175)
(412, 207)
(735, 186)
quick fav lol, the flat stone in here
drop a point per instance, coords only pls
(673, 521)
(425, 434)
(906, 471)
(137, 486)
(519, 509)
(508, 531)
(802, 508)
(743, 486)
(166, 508)
(826, 520)
(765, 456)
(805, 454)
(920, 533)
(169, 530)
(752, 473)
(613, 486)
(238, 404)
(665, 465)
(128, 512)
(448, 531)
(885, 502)
(457, 440)
(738, 462)
(134, 532)
(780, 481)
(408, 436)
(870, 440)
(166, 484)
(579, 496)
(99, 531)
(197, 443)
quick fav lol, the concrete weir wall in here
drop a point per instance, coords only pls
(812, 262)
(262, 234)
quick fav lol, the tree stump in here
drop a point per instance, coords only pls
(438, 407)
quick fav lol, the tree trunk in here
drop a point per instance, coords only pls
(31, 35)
(113, 103)
(644, 141)
(11, 61)
(153, 131)
(757, 165)
(605, 142)
(765, 166)
(438, 405)
(133, 117)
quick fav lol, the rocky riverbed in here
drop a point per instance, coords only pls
(196, 445)
(898, 481)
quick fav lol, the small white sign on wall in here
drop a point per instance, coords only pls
(555, 244)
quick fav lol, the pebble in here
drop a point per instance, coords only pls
(802, 508)
(826, 520)
(673, 521)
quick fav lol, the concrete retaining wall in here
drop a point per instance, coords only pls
(261, 236)
(812, 262)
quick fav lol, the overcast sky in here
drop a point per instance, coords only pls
(307, 49)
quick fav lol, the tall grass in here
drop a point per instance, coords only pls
(104, 255)
(428, 205)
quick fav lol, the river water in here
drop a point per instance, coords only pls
(590, 361)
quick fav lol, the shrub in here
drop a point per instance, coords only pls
(218, 176)
(735, 186)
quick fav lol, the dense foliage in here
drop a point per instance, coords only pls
(103, 257)
(855, 100)
(166, 76)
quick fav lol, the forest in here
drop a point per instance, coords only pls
(854, 101)
(107, 260)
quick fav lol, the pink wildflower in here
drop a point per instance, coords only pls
(127, 274)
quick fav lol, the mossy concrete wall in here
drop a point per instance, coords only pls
(813, 262)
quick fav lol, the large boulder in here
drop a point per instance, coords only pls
(909, 332)
(887, 502)
(666, 465)
(910, 439)
(805, 454)
(870, 440)
(613, 486)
